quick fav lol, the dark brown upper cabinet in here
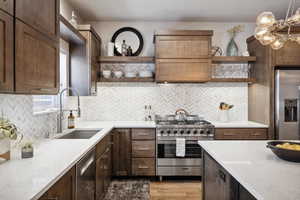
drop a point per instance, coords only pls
(7, 6)
(37, 64)
(6, 53)
(40, 14)
(289, 55)
(183, 56)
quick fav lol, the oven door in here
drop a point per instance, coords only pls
(167, 149)
(168, 164)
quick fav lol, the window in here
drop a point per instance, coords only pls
(49, 103)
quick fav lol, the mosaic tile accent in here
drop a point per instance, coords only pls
(18, 109)
(126, 101)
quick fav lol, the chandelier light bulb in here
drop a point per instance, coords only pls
(260, 32)
(267, 39)
(266, 19)
(278, 43)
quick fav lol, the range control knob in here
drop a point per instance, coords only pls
(188, 131)
(195, 132)
(161, 132)
(208, 132)
(168, 131)
(201, 132)
(175, 131)
(182, 132)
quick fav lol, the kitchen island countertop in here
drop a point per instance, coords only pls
(255, 167)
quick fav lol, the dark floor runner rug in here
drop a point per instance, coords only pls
(128, 190)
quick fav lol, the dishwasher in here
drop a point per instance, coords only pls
(86, 177)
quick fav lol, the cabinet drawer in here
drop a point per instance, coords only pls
(183, 70)
(102, 145)
(142, 149)
(143, 166)
(183, 46)
(241, 134)
(143, 134)
(7, 5)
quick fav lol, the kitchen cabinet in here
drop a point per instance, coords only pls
(216, 181)
(241, 133)
(7, 6)
(143, 152)
(287, 56)
(84, 62)
(183, 70)
(37, 64)
(40, 15)
(6, 53)
(122, 152)
(183, 56)
(219, 184)
(63, 189)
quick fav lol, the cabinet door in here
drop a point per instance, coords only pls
(43, 15)
(37, 65)
(122, 152)
(183, 70)
(64, 189)
(8, 6)
(288, 55)
(183, 46)
(95, 49)
(216, 181)
(100, 176)
(6, 53)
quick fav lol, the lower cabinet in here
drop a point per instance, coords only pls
(122, 152)
(219, 184)
(64, 189)
(241, 134)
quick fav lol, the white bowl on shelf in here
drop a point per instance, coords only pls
(130, 74)
(145, 74)
(118, 74)
(106, 73)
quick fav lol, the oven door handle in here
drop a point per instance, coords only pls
(174, 141)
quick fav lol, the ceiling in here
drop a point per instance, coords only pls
(177, 10)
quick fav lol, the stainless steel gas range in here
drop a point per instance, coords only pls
(190, 127)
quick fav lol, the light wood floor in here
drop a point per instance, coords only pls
(176, 190)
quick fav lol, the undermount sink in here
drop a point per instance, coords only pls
(80, 134)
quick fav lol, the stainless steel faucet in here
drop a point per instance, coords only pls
(61, 111)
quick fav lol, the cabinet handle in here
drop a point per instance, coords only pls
(185, 168)
(222, 175)
(42, 89)
(143, 149)
(143, 167)
(142, 134)
(255, 134)
(229, 134)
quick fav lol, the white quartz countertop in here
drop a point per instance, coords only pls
(29, 179)
(239, 124)
(255, 167)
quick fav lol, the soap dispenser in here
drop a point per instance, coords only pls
(71, 120)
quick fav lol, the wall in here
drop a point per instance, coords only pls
(126, 101)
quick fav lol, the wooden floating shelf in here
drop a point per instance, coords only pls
(233, 59)
(69, 33)
(137, 79)
(247, 80)
(126, 59)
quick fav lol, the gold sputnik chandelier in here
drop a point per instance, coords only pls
(269, 31)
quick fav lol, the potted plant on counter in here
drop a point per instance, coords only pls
(8, 132)
(224, 108)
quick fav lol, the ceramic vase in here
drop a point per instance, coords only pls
(5, 149)
(224, 116)
(232, 48)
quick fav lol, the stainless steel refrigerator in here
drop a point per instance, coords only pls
(287, 103)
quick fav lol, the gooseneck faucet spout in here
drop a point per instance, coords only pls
(61, 111)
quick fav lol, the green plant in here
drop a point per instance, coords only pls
(8, 129)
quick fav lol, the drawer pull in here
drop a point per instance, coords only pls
(143, 167)
(142, 134)
(255, 134)
(229, 134)
(143, 149)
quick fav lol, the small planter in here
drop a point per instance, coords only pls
(27, 152)
(5, 149)
(224, 116)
